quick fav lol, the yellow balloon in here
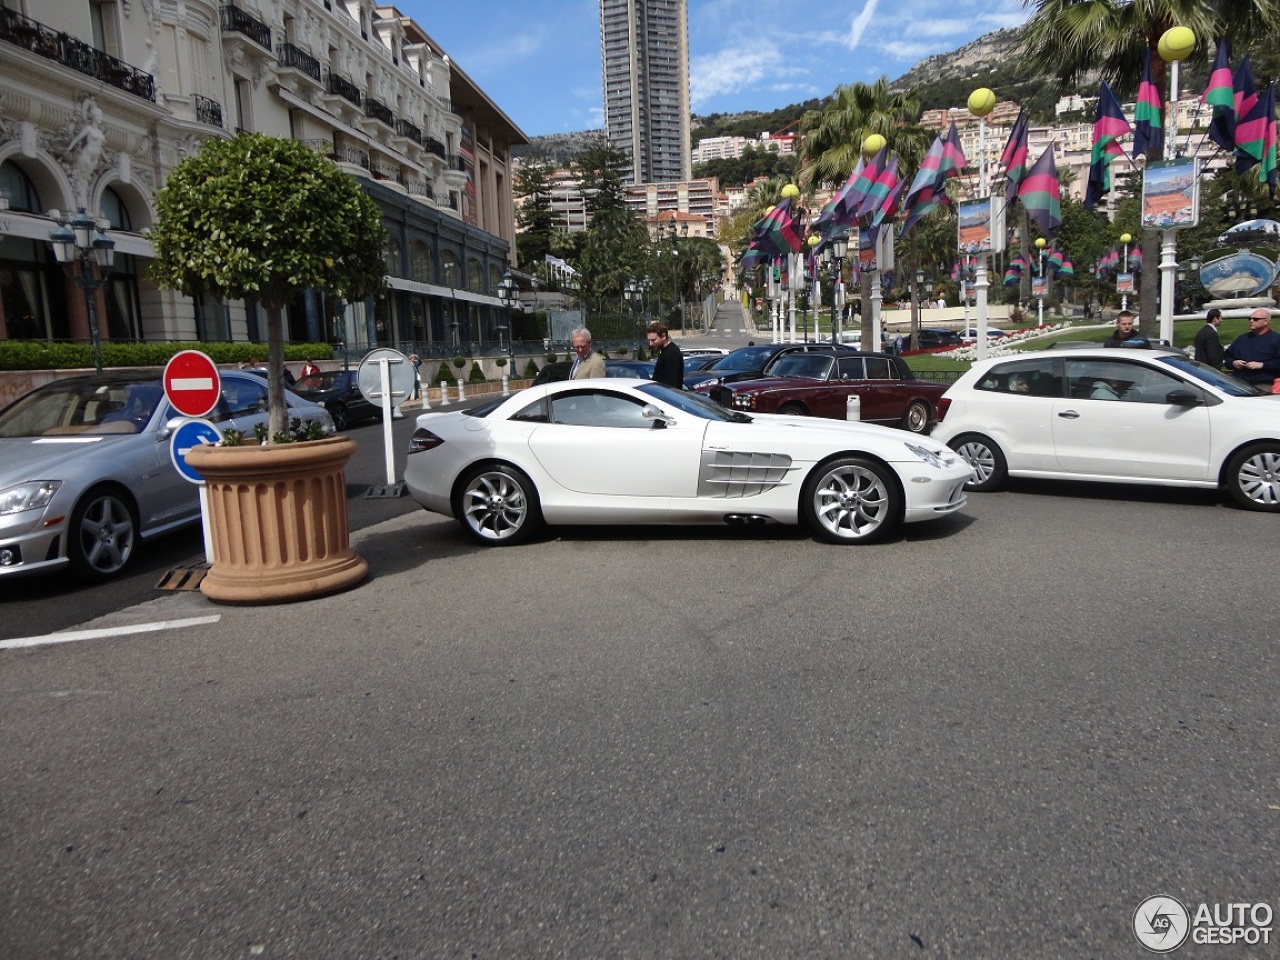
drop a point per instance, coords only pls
(813, 240)
(1125, 237)
(873, 145)
(1176, 44)
(982, 101)
(790, 190)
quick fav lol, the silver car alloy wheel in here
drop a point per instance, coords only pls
(851, 501)
(1259, 478)
(979, 456)
(103, 535)
(495, 505)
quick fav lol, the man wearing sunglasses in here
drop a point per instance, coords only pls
(1254, 357)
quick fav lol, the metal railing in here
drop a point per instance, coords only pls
(435, 146)
(235, 20)
(71, 52)
(340, 86)
(386, 171)
(351, 155)
(420, 188)
(379, 111)
(293, 57)
(407, 130)
(456, 162)
(320, 145)
(207, 110)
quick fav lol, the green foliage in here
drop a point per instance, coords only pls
(751, 123)
(44, 355)
(754, 162)
(459, 362)
(500, 362)
(442, 374)
(297, 432)
(530, 369)
(476, 375)
(551, 356)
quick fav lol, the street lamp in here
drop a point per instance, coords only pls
(1040, 244)
(509, 294)
(1175, 45)
(631, 292)
(86, 253)
(795, 275)
(981, 102)
(833, 255)
(1126, 239)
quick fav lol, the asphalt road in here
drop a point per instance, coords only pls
(992, 737)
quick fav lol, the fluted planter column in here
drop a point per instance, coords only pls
(278, 518)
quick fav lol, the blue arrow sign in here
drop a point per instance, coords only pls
(191, 433)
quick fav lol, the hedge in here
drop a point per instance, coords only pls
(44, 355)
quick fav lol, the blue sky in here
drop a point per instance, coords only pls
(539, 60)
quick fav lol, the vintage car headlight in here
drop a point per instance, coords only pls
(28, 496)
(930, 457)
(744, 401)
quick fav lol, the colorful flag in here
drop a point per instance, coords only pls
(953, 158)
(1108, 128)
(1067, 269)
(890, 205)
(1148, 134)
(1267, 167)
(1135, 259)
(775, 233)
(833, 214)
(847, 212)
(886, 179)
(1220, 95)
(923, 197)
(1251, 135)
(955, 272)
(1012, 277)
(1053, 259)
(1014, 157)
(1041, 194)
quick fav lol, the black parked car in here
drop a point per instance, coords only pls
(932, 338)
(338, 393)
(747, 363)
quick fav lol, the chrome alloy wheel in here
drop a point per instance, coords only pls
(495, 505)
(851, 501)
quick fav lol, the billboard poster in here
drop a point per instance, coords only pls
(1124, 283)
(1171, 194)
(975, 226)
(1039, 286)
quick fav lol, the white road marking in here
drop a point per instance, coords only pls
(74, 635)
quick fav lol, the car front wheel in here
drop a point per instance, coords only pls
(851, 500)
(989, 465)
(340, 418)
(102, 535)
(916, 419)
(1253, 477)
(498, 505)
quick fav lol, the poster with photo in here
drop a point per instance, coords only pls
(975, 226)
(1171, 194)
(1124, 283)
(1039, 286)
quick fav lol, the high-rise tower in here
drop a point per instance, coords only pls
(644, 49)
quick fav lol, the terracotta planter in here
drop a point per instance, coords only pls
(278, 519)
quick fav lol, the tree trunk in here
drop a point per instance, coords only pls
(1149, 285)
(278, 420)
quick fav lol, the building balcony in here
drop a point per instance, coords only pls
(62, 48)
(420, 190)
(436, 148)
(236, 24)
(386, 171)
(339, 86)
(207, 110)
(407, 130)
(351, 156)
(297, 63)
(379, 111)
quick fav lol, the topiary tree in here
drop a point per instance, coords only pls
(266, 218)
(459, 362)
(530, 369)
(476, 375)
(442, 375)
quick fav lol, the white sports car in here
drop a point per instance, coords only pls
(631, 451)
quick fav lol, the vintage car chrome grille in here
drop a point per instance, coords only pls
(728, 474)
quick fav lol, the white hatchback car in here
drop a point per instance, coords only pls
(1115, 415)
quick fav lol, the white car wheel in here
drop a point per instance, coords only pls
(988, 463)
(497, 505)
(1253, 477)
(851, 500)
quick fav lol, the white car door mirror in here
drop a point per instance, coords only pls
(654, 413)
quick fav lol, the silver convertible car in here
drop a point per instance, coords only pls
(612, 451)
(85, 469)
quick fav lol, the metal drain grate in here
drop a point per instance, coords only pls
(183, 578)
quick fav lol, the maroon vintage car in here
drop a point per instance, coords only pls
(820, 383)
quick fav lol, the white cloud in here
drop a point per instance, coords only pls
(729, 71)
(859, 25)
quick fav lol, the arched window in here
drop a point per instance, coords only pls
(495, 277)
(391, 257)
(18, 188)
(475, 276)
(114, 209)
(449, 273)
(421, 267)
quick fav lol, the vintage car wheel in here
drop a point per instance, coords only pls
(102, 534)
(793, 410)
(497, 504)
(1253, 477)
(989, 465)
(916, 419)
(851, 500)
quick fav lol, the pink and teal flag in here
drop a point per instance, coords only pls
(944, 160)
(1108, 128)
(1219, 93)
(1014, 157)
(1148, 134)
(889, 208)
(774, 234)
(886, 179)
(1067, 269)
(1053, 259)
(847, 212)
(834, 214)
(1041, 193)
(1267, 167)
(953, 158)
(1135, 259)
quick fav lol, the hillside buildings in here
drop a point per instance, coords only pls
(101, 100)
(644, 51)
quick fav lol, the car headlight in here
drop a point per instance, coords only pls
(931, 457)
(744, 401)
(28, 496)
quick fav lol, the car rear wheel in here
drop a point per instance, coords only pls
(102, 534)
(793, 410)
(851, 500)
(340, 418)
(916, 419)
(498, 505)
(990, 469)
(1253, 477)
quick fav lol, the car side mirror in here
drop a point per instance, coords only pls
(654, 414)
(1183, 398)
(170, 425)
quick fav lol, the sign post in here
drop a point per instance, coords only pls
(192, 433)
(385, 379)
(192, 384)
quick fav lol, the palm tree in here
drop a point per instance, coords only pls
(832, 137)
(1074, 39)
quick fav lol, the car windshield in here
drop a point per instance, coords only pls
(83, 408)
(747, 358)
(1217, 379)
(318, 381)
(693, 403)
(812, 366)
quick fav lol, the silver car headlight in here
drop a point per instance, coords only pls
(28, 496)
(932, 458)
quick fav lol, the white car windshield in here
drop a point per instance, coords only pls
(693, 403)
(812, 366)
(1223, 382)
(83, 408)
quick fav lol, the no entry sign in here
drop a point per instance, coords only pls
(191, 383)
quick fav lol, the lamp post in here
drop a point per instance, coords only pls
(1040, 244)
(508, 293)
(1126, 239)
(631, 291)
(981, 102)
(1175, 45)
(834, 255)
(795, 274)
(86, 253)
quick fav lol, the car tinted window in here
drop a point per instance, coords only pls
(244, 397)
(879, 368)
(1224, 382)
(593, 408)
(1035, 377)
(851, 368)
(810, 365)
(692, 403)
(747, 358)
(535, 412)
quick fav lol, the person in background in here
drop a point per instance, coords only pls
(1208, 345)
(1125, 331)
(669, 366)
(586, 362)
(1254, 357)
(309, 369)
(417, 375)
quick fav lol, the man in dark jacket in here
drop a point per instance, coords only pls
(1254, 357)
(1208, 345)
(1125, 331)
(669, 366)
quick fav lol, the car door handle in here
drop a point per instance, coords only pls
(1069, 415)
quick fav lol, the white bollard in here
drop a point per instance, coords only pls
(462, 393)
(444, 393)
(505, 391)
(425, 389)
(853, 407)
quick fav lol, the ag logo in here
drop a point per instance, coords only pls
(1161, 924)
